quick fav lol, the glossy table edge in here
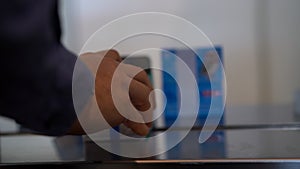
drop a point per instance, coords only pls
(205, 163)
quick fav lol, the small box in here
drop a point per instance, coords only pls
(195, 59)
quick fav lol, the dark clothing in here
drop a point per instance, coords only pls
(36, 70)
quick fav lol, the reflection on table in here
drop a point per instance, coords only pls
(248, 132)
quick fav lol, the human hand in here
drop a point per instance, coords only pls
(137, 94)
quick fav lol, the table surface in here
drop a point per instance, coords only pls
(264, 135)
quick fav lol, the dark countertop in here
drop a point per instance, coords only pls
(251, 137)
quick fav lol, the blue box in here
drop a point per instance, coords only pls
(210, 56)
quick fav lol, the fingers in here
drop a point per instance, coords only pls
(139, 128)
(139, 89)
(136, 73)
(140, 97)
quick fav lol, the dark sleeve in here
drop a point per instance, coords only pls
(36, 70)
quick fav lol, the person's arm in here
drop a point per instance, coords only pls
(36, 70)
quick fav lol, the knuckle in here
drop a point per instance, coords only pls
(143, 73)
(112, 52)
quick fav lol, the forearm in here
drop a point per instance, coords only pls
(38, 95)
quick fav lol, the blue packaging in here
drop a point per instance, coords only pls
(194, 59)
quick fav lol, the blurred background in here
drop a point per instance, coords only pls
(260, 38)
